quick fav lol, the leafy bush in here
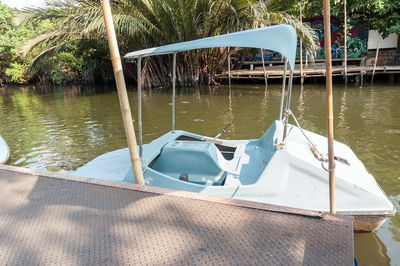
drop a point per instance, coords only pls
(16, 73)
(12, 66)
(66, 67)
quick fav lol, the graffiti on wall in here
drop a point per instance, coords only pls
(357, 40)
(255, 55)
(385, 58)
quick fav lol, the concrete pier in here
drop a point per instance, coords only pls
(58, 219)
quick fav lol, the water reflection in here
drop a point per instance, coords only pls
(264, 107)
(230, 109)
(71, 92)
(377, 252)
(300, 105)
(47, 128)
(343, 108)
(60, 129)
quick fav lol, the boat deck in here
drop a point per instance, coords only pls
(62, 219)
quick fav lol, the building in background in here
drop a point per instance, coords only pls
(361, 44)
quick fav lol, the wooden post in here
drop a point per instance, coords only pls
(306, 60)
(139, 96)
(122, 94)
(345, 42)
(328, 64)
(265, 73)
(301, 49)
(376, 60)
(362, 64)
(361, 78)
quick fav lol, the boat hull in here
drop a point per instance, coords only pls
(4, 151)
(368, 222)
(259, 170)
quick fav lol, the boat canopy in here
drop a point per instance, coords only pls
(280, 38)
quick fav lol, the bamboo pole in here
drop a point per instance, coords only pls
(328, 64)
(139, 92)
(345, 42)
(301, 49)
(122, 93)
(265, 72)
(376, 60)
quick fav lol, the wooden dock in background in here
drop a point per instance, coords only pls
(59, 219)
(310, 71)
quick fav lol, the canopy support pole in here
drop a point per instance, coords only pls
(139, 89)
(328, 64)
(173, 90)
(287, 109)
(122, 93)
(283, 89)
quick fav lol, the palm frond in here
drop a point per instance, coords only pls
(146, 23)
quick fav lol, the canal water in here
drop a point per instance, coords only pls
(62, 128)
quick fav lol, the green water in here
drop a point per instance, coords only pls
(60, 129)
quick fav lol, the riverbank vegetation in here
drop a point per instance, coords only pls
(66, 42)
(12, 66)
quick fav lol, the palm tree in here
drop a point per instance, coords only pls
(146, 23)
(266, 13)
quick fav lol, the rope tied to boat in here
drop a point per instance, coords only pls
(319, 156)
(313, 148)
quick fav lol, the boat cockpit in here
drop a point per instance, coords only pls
(211, 162)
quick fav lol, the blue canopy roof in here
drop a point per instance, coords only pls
(280, 38)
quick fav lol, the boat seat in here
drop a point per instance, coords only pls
(197, 160)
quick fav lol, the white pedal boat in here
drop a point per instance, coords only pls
(278, 168)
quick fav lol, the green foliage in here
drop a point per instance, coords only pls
(66, 67)
(16, 73)
(382, 15)
(262, 16)
(60, 67)
(142, 23)
(66, 41)
(12, 65)
(63, 65)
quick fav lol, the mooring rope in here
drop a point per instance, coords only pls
(313, 148)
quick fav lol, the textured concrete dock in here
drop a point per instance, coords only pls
(56, 219)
